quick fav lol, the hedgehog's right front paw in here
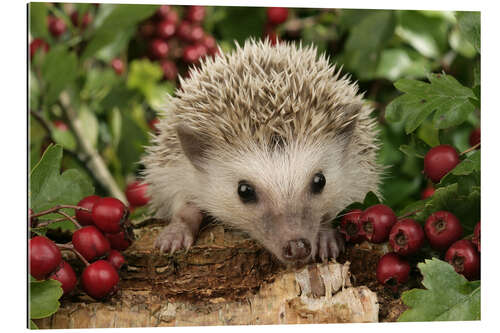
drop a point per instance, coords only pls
(175, 236)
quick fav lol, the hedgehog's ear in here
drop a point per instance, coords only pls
(194, 146)
(350, 114)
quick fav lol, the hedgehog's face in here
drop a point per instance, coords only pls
(280, 197)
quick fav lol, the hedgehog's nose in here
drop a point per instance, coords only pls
(297, 249)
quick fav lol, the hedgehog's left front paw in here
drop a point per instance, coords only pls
(330, 244)
(175, 236)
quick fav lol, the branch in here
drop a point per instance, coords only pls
(95, 162)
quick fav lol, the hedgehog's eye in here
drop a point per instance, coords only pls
(246, 192)
(318, 183)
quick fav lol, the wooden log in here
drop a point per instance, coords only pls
(224, 279)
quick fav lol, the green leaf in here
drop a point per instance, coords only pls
(416, 147)
(444, 96)
(143, 76)
(132, 142)
(428, 35)
(240, 23)
(118, 18)
(38, 19)
(397, 63)
(469, 24)
(59, 69)
(44, 298)
(49, 188)
(90, 126)
(366, 40)
(118, 45)
(448, 295)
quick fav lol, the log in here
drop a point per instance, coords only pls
(224, 279)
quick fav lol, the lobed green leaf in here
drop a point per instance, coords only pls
(44, 298)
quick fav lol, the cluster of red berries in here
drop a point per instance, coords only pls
(177, 42)
(275, 17)
(102, 233)
(406, 236)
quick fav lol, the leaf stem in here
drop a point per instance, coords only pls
(470, 149)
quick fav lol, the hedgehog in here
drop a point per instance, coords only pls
(268, 139)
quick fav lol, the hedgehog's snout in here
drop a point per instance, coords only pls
(297, 249)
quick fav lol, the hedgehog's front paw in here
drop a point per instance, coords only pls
(175, 236)
(330, 244)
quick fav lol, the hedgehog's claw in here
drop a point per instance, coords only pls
(173, 237)
(330, 244)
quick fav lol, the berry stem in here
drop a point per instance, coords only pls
(70, 247)
(470, 149)
(57, 208)
(409, 214)
(46, 223)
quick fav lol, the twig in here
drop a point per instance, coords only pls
(470, 149)
(46, 223)
(70, 247)
(409, 214)
(95, 162)
(58, 207)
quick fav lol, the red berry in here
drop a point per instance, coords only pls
(475, 137)
(153, 124)
(427, 192)
(44, 256)
(147, 29)
(172, 16)
(66, 275)
(195, 14)
(56, 26)
(158, 48)
(85, 218)
(184, 31)
(439, 161)
(277, 15)
(136, 193)
(464, 258)
(37, 44)
(406, 237)
(100, 279)
(165, 29)
(350, 226)
(162, 12)
(442, 228)
(116, 259)
(377, 222)
(392, 270)
(197, 34)
(109, 214)
(169, 69)
(476, 238)
(60, 125)
(191, 54)
(210, 43)
(120, 241)
(90, 242)
(117, 65)
(82, 21)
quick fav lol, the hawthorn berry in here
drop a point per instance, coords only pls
(165, 29)
(376, 223)
(476, 238)
(406, 237)
(90, 242)
(197, 34)
(442, 228)
(158, 48)
(184, 31)
(66, 275)
(392, 270)
(117, 65)
(195, 14)
(427, 192)
(162, 12)
(153, 124)
(81, 21)
(38, 44)
(120, 241)
(439, 161)
(147, 29)
(84, 217)
(191, 54)
(109, 214)
(277, 15)
(169, 69)
(116, 259)
(463, 256)
(475, 137)
(100, 279)
(56, 26)
(350, 226)
(60, 125)
(44, 257)
(136, 193)
(210, 44)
